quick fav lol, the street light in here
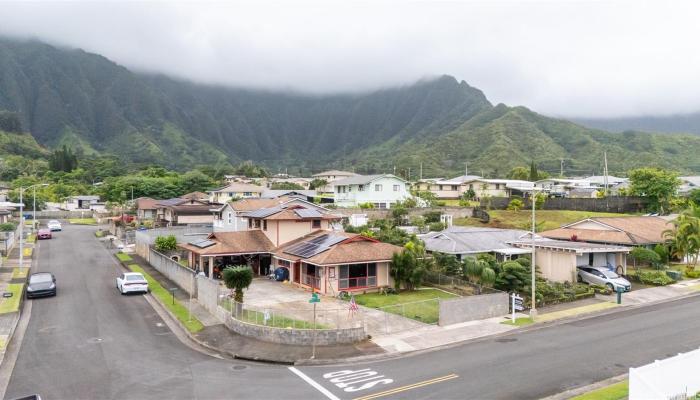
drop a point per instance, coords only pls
(21, 218)
(533, 265)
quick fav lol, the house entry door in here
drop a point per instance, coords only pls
(297, 272)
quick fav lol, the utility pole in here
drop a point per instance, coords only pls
(394, 169)
(561, 168)
(409, 174)
(605, 171)
(533, 265)
(421, 171)
(466, 168)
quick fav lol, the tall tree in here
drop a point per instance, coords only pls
(658, 185)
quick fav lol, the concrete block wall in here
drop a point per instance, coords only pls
(182, 276)
(471, 308)
(208, 291)
(301, 337)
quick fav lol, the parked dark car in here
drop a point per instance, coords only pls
(41, 284)
(43, 234)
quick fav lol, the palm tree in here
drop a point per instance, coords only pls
(238, 278)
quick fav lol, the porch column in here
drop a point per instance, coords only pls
(624, 263)
(211, 267)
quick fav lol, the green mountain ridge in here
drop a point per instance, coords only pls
(89, 102)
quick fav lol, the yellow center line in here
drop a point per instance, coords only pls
(407, 387)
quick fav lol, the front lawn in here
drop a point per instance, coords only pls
(11, 304)
(617, 391)
(166, 298)
(545, 219)
(421, 305)
(124, 257)
(83, 221)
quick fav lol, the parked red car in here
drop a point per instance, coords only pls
(43, 234)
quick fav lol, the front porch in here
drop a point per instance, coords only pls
(333, 279)
(213, 265)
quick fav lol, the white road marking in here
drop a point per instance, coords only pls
(314, 384)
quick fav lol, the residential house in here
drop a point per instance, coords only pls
(644, 231)
(454, 188)
(330, 177)
(83, 203)
(4, 191)
(146, 208)
(331, 262)
(298, 237)
(560, 187)
(179, 211)
(380, 190)
(303, 182)
(235, 191)
(195, 196)
(688, 184)
(229, 217)
(5, 215)
(557, 259)
(463, 242)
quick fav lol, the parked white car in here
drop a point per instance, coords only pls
(54, 225)
(129, 282)
(604, 277)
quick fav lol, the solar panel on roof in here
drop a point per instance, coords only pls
(263, 212)
(202, 243)
(308, 213)
(314, 246)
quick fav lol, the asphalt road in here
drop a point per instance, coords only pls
(92, 343)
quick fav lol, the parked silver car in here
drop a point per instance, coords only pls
(603, 276)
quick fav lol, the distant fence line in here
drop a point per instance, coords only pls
(613, 204)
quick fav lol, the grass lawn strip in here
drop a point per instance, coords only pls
(20, 273)
(522, 321)
(575, 311)
(177, 309)
(30, 239)
(421, 305)
(124, 257)
(83, 221)
(3, 342)
(617, 391)
(11, 304)
(28, 251)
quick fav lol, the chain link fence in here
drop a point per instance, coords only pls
(294, 318)
(456, 285)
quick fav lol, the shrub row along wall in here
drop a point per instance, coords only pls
(470, 308)
(301, 337)
(608, 204)
(182, 276)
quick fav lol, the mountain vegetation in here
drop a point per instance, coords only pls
(102, 111)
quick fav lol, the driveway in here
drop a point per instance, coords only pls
(266, 294)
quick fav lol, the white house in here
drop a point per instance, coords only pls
(563, 187)
(688, 184)
(235, 191)
(83, 203)
(380, 190)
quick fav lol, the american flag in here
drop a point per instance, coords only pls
(353, 306)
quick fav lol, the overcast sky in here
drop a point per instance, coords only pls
(559, 58)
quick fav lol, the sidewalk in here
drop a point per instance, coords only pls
(12, 280)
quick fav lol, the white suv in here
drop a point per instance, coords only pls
(54, 225)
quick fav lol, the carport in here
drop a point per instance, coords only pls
(558, 259)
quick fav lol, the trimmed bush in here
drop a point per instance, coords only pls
(657, 278)
(166, 243)
(692, 273)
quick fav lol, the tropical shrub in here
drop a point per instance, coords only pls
(515, 205)
(513, 277)
(238, 278)
(7, 227)
(436, 226)
(642, 255)
(166, 243)
(657, 278)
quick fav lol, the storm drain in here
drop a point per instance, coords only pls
(239, 367)
(506, 340)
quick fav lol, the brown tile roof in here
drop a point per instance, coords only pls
(195, 195)
(289, 214)
(243, 242)
(622, 230)
(256, 204)
(354, 249)
(146, 203)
